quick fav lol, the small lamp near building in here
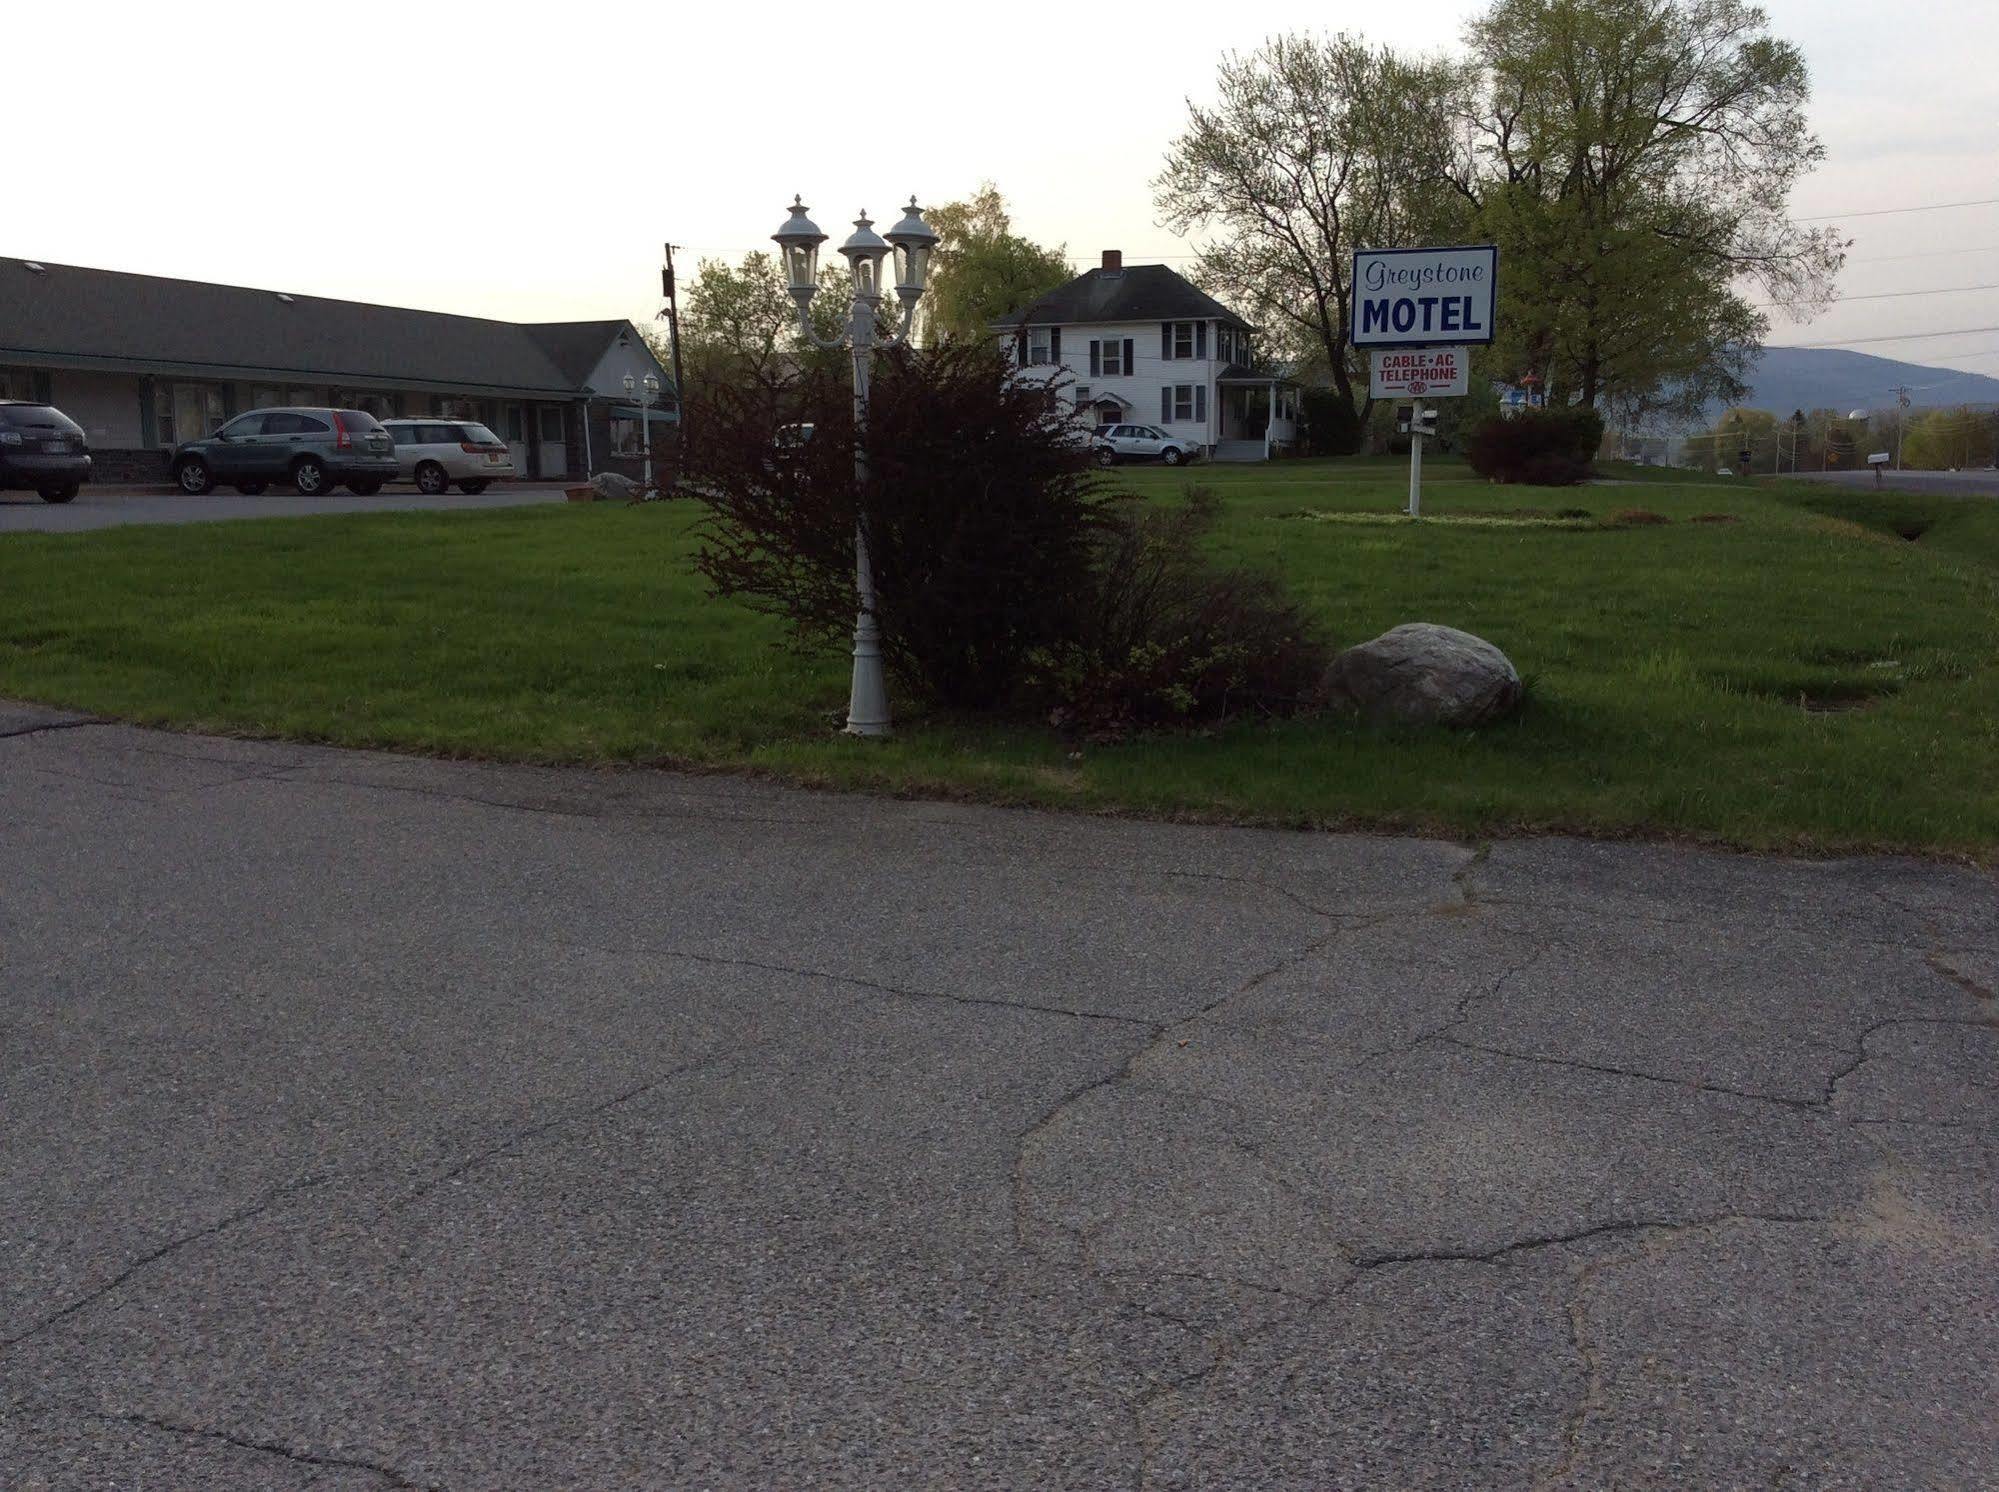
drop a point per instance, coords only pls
(911, 242)
(648, 391)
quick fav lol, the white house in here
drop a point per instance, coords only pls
(1140, 345)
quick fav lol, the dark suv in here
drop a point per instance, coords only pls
(41, 448)
(313, 449)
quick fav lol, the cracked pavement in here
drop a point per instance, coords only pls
(381, 1122)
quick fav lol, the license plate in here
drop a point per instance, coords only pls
(493, 458)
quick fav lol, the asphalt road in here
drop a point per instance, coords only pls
(375, 1122)
(24, 512)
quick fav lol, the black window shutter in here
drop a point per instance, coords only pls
(1166, 404)
(1200, 339)
(1127, 357)
(1055, 344)
(1201, 403)
(1020, 348)
(1166, 341)
(1096, 357)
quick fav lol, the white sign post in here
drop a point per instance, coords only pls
(1417, 310)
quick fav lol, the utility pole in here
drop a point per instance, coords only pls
(1901, 419)
(672, 314)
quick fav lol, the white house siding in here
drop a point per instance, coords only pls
(1149, 374)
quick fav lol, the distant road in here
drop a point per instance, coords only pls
(112, 507)
(1958, 483)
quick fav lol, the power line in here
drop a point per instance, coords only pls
(1840, 300)
(1884, 212)
(1989, 248)
(1963, 331)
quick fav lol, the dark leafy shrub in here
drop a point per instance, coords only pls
(1165, 638)
(1332, 424)
(1544, 447)
(983, 516)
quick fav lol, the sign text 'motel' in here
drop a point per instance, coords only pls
(1424, 297)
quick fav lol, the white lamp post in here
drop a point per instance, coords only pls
(650, 388)
(911, 241)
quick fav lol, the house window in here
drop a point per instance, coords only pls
(1225, 343)
(1183, 401)
(1107, 358)
(1183, 339)
(1040, 351)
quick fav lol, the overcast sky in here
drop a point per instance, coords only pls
(526, 160)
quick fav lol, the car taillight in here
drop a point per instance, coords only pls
(475, 447)
(342, 441)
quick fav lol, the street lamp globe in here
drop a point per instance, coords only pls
(913, 239)
(630, 385)
(864, 250)
(652, 385)
(798, 240)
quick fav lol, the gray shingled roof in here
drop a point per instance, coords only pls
(1138, 292)
(101, 316)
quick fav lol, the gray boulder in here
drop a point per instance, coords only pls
(612, 486)
(1425, 674)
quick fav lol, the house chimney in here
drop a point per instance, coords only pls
(1113, 259)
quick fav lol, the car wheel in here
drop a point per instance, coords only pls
(1106, 456)
(309, 476)
(430, 478)
(194, 477)
(60, 494)
(1171, 455)
(251, 489)
(473, 488)
(365, 487)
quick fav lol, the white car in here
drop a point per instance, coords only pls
(436, 453)
(1115, 443)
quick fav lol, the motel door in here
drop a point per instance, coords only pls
(516, 435)
(554, 452)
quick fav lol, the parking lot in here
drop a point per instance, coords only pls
(110, 507)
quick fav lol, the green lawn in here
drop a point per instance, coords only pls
(1802, 677)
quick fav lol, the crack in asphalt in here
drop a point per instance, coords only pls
(1158, 1033)
(1958, 977)
(855, 982)
(526, 1136)
(36, 730)
(388, 1474)
(1639, 1074)
(242, 1214)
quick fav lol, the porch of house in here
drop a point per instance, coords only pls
(1258, 413)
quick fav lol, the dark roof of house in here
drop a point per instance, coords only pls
(109, 318)
(1138, 292)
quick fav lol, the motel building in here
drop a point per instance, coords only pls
(143, 363)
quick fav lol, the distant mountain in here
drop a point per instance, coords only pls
(1808, 378)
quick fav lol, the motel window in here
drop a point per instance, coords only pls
(16, 383)
(551, 425)
(185, 411)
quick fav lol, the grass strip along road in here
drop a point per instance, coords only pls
(1775, 665)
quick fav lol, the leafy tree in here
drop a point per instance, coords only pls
(981, 269)
(1314, 147)
(1633, 158)
(1947, 439)
(738, 320)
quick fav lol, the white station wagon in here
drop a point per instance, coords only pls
(436, 453)
(1114, 443)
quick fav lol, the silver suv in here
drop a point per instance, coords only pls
(1115, 443)
(313, 449)
(435, 453)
